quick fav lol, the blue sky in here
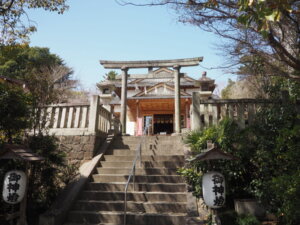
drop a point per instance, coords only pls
(102, 29)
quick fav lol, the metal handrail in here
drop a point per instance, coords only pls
(138, 156)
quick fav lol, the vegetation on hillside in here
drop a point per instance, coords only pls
(20, 112)
(269, 155)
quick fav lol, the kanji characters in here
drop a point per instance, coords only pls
(218, 189)
(12, 197)
(14, 177)
(14, 187)
(219, 200)
(217, 179)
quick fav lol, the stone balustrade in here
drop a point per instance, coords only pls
(79, 119)
(207, 112)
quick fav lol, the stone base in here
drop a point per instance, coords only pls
(80, 148)
(176, 134)
(249, 206)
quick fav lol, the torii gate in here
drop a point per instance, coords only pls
(176, 64)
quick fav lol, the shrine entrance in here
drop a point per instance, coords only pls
(175, 76)
(163, 124)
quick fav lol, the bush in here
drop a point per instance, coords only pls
(268, 165)
(50, 176)
(47, 178)
(231, 139)
(232, 218)
(194, 179)
(247, 220)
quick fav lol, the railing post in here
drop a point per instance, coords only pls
(93, 115)
(134, 177)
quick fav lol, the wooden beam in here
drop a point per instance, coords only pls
(107, 64)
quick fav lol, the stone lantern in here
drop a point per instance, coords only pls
(106, 93)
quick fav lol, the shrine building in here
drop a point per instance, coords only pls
(160, 99)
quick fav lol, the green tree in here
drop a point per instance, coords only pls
(14, 112)
(47, 177)
(111, 75)
(13, 13)
(45, 75)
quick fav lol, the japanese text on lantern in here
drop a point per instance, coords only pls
(213, 188)
(14, 186)
(218, 190)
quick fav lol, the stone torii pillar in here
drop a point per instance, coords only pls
(177, 98)
(124, 99)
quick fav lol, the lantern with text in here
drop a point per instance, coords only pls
(213, 186)
(14, 186)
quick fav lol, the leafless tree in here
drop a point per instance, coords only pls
(275, 41)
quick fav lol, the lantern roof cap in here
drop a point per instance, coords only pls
(14, 151)
(212, 152)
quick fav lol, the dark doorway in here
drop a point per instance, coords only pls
(163, 123)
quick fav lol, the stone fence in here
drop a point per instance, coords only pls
(80, 128)
(80, 119)
(207, 112)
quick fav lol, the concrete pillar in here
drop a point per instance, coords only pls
(186, 113)
(177, 98)
(111, 117)
(124, 100)
(137, 117)
(93, 115)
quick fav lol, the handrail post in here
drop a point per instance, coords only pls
(134, 178)
(140, 155)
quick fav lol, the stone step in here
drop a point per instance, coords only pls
(147, 143)
(126, 171)
(134, 196)
(144, 152)
(146, 164)
(93, 224)
(156, 187)
(118, 158)
(132, 218)
(151, 138)
(161, 150)
(139, 178)
(141, 207)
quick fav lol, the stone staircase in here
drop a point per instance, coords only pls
(159, 197)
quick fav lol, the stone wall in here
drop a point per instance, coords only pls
(80, 148)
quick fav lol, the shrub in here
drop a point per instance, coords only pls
(247, 220)
(268, 165)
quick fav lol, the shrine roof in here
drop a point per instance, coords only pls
(212, 153)
(184, 81)
(13, 151)
(159, 90)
